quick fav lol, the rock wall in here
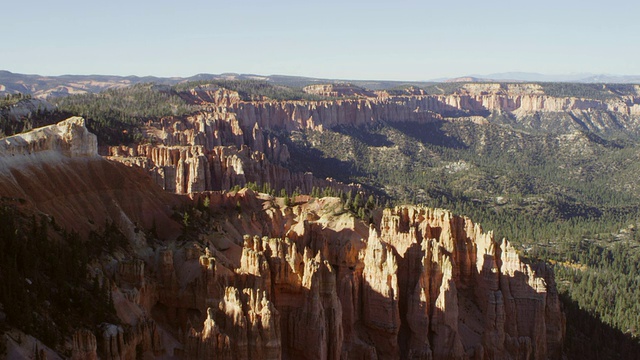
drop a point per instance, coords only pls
(419, 284)
(57, 170)
(319, 115)
(191, 169)
(231, 142)
(519, 100)
(68, 138)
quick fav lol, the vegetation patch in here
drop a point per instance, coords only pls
(46, 288)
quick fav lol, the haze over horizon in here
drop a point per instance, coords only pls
(405, 40)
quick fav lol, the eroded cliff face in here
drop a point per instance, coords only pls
(191, 169)
(57, 170)
(518, 100)
(265, 279)
(232, 142)
(311, 282)
(210, 151)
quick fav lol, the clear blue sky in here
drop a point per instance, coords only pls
(402, 40)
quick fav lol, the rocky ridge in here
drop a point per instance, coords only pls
(69, 138)
(57, 170)
(264, 279)
(233, 142)
(337, 90)
(318, 285)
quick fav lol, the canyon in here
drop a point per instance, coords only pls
(210, 268)
(230, 141)
(265, 279)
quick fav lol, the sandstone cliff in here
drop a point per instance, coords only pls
(232, 142)
(265, 279)
(474, 100)
(57, 170)
(419, 284)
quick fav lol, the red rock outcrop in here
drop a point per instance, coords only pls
(247, 327)
(475, 308)
(425, 285)
(85, 345)
(380, 296)
(57, 170)
(308, 281)
(232, 142)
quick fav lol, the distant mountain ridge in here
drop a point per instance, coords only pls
(537, 77)
(41, 86)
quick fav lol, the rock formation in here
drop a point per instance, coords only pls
(57, 169)
(232, 142)
(68, 138)
(265, 279)
(84, 345)
(422, 284)
(189, 169)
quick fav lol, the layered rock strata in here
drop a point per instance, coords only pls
(57, 170)
(304, 279)
(231, 142)
(420, 284)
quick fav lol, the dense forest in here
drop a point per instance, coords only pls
(116, 115)
(31, 114)
(253, 90)
(12, 99)
(42, 295)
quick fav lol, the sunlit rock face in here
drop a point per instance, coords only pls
(57, 170)
(269, 279)
(230, 142)
(68, 138)
(419, 284)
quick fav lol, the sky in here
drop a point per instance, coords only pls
(381, 40)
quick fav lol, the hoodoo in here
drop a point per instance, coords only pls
(267, 278)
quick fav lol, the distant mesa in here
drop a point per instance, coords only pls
(466, 79)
